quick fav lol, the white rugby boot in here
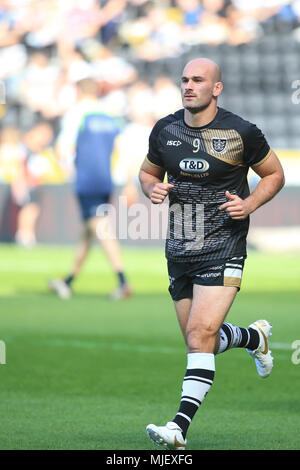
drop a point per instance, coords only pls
(121, 293)
(169, 436)
(262, 355)
(61, 288)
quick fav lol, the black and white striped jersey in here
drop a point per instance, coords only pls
(202, 163)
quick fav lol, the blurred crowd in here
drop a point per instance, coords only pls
(47, 46)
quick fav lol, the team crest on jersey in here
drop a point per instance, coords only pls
(219, 145)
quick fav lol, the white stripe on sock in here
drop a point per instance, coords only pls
(191, 401)
(201, 361)
(199, 379)
(185, 416)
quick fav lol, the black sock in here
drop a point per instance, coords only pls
(253, 340)
(69, 280)
(232, 336)
(121, 277)
(196, 384)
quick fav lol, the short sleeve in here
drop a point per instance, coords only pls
(256, 148)
(154, 156)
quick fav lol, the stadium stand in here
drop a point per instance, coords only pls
(47, 46)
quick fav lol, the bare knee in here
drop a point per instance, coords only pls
(201, 338)
(87, 234)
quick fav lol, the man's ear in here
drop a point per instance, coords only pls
(218, 87)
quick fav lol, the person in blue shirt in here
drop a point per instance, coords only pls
(88, 133)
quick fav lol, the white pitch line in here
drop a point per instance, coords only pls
(282, 346)
(144, 348)
(141, 347)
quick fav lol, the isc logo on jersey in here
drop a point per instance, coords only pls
(191, 165)
(175, 143)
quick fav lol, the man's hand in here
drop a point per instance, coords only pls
(160, 192)
(236, 208)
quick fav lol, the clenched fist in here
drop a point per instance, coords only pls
(236, 208)
(160, 192)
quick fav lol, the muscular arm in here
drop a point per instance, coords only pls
(272, 181)
(151, 179)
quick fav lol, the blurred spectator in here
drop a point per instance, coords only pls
(191, 10)
(13, 60)
(111, 13)
(110, 70)
(137, 130)
(38, 85)
(259, 6)
(80, 19)
(73, 63)
(39, 165)
(12, 155)
(243, 27)
(295, 5)
(140, 101)
(41, 162)
(10, 30)
(154, 36)
(113, 73)
(167, 97)
(47, 46)
(41, 21)
(146, 105)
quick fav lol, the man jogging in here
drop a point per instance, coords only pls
(206, 152)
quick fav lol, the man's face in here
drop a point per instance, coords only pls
(197, 87)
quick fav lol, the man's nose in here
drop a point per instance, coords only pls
(189, 85)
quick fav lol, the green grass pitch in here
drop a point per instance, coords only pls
(87, 373)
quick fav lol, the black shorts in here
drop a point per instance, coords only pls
(90, 204)
(33, 196)
(183, 276)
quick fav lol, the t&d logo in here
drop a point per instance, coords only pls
(191, 165)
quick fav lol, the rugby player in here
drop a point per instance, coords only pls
(206, 152)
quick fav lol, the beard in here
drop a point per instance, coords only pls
(200, 105)
(197, 108)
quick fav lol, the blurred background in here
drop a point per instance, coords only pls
(89, 373)
(136, 50)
